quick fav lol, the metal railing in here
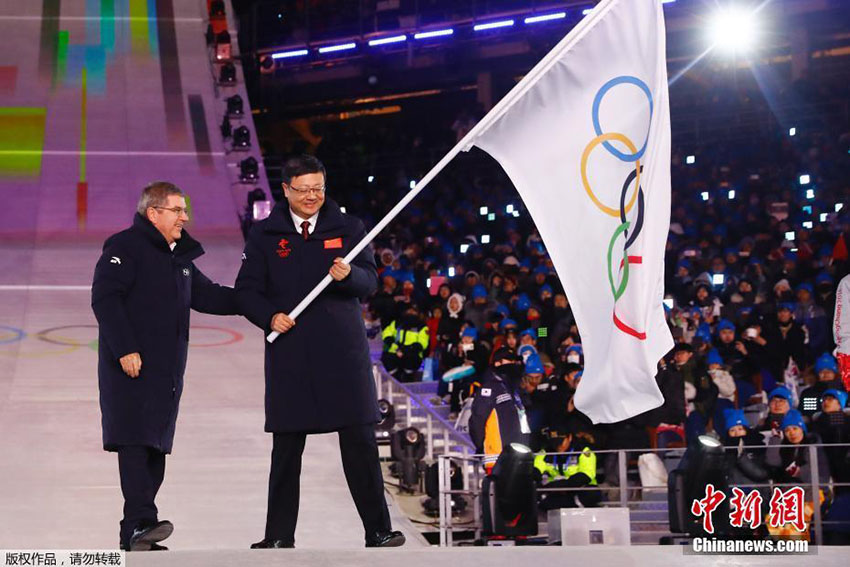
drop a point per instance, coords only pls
(413, 409)
(472, 468)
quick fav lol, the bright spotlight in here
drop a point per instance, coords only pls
(733, 30)
(808, 224)
(704, 195)
(483, 211)
(690, 160)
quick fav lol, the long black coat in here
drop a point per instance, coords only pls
(318, 375)
(141, 295)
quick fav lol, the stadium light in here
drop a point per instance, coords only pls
(516, 214)
(493, 25)
(452, 272)
(483, 211)
(292, 53)
(342, 209)
(718, 279)
(733, 30)
(509, 209)
(704, 195)
(807, 224)
(807, 209)
(731, 193)
(823, 217)
(805, 179)
(545, 18)
(792, 131)
(413, 184)
(371, 179)
(485, 239)
(340, 47)
(838, 206)
(790, 235)
(491, 217)
(690, 160)
(464, 248)
(386, 40)
(586, 11)
(810, 194)
(434, 33)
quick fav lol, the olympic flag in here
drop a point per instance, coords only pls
(585, 139)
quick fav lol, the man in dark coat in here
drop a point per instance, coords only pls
(318, 372)
(144, 285)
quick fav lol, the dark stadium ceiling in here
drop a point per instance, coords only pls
(312, 83)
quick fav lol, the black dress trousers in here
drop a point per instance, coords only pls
(142, 470)
(362, 470)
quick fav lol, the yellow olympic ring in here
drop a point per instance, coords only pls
(595, 142)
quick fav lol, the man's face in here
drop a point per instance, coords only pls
(526, 340)
(826, 375)
(727, 335)
(778, 405)
(309, 200)
(702, 293)
(794, 434)
(784, 316)
(745, 287)
(561, 301)
(737, 431)
(168, 222)
(830, 405)
(682, 357)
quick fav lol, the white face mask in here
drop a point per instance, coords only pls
(574, 358)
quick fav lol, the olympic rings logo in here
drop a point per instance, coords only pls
(627, 228)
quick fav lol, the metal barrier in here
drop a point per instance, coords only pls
(472, 467)
(413, 409)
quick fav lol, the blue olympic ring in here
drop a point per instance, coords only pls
(19, 335)
(597, 101)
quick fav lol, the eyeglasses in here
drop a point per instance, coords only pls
(303, 191)
(176, 210)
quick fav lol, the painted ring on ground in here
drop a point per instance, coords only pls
(235, 336)
(18, 335)
(597, 101)
(631, 236)
(64, 341)
(601, 206)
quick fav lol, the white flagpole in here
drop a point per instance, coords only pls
(464, 144)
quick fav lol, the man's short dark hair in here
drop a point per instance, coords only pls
(302, 165)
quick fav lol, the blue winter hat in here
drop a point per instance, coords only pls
(470, 332)
(684, 263)
(479, 291)
(807, 286)
(529, 333)
(734, 417)
(546, 287)
(826, 362)
(824, 277)
(525, 263)
(792, 256)
(523, 302)
(503, 310)
(505, 323)
(730, 250)
(390, 273)
(725, 324)
(714, 357)
(795, 418)
(839, 395)
(533, 365)
(780, 392)
(526, 350)
(703, 332)
(405, 277)
(541, 270)
(786, 305)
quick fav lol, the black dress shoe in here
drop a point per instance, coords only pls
(273, 544)
(146, 535)
(157, 547)
(385, 539)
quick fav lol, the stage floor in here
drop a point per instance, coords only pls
(60, 490)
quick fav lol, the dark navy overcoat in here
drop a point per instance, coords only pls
(318, 375)
(141, 296)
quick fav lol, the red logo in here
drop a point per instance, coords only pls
(333, 243)
(706, 506)
(284, 249)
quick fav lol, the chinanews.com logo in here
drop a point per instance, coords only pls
(783, 523)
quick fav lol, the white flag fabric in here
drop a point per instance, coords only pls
(585, 138)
